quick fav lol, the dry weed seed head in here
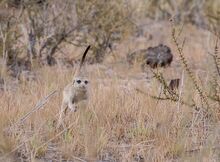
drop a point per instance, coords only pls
(188, 70)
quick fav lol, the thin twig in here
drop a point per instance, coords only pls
(37, 107)
(77, 158)
(180, 90)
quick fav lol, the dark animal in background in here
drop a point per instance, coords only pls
(158, 56)
(174, 84)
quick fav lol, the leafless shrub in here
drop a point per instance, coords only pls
(182, 10)
(8, 42)
(32, 32)
(103, 23)
(46, 27)
(215, 87)
(212, 11)
(168, 89)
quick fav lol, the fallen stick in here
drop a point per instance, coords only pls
(37, 107)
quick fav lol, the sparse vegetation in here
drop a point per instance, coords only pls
(132, 115)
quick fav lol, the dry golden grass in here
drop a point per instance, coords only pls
(120, 124)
